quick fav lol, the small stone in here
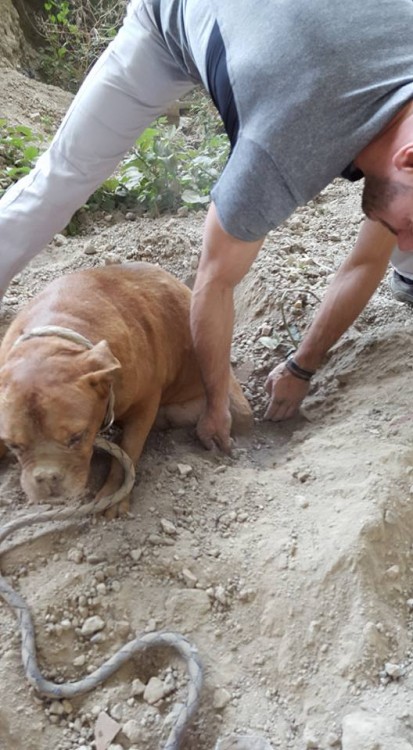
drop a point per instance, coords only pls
(92, 625)
(221, 698)
(79, 661)
(138, 687)
(184, 469)
(393, 572)
(59, 240)
(154, 691)
(56, 708)
(89, 249)
(333, 739)
(133, 731)
(130, 216)
(301, 501)
(393, 670)
(75, 555)
(106, 730)
(116, 712)
(136, 554)
(168, 527)
(220, 595)
(189, 577)
(67, 706)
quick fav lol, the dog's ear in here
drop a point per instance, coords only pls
(102, 363)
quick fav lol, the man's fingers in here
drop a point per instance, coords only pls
(280, 409)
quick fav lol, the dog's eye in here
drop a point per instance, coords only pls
(75, 439)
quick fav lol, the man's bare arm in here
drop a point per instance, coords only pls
(353, 285)
(224, 262)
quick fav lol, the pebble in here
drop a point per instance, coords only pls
(133, 731)
(89, 249)
(75, 555)
(79, 661)
(92, 625)
(56, 708)
(393, 670)
(393, 572)
(154, 691)
(116, 712)
(59, 240)
(168, 527)
(184, 469)
(189, 577)
(138, 687)
(136, 554)
(301, 501)
(221, 698)
(333, 739)
(220, 595)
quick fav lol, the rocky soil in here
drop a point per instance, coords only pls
(289, 565)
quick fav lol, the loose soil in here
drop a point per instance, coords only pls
(290, 564)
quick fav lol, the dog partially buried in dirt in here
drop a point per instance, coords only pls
(102, 343)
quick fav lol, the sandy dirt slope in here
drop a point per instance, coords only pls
(289, 565)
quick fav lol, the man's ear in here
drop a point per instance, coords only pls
(403, 158)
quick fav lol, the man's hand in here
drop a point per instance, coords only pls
(224, 262)
(213, 429)
(286, 393)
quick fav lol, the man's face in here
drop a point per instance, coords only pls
(398, 219)
(392, 205)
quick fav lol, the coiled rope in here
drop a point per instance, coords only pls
(172, 640)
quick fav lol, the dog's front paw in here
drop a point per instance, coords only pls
(120, 509)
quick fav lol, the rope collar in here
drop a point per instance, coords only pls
(76, 338)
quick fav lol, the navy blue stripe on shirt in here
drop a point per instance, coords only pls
(219, 84)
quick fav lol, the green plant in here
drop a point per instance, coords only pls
(75, 33)
(19, 150)
(163, 171)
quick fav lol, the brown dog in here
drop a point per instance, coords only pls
(55, 391)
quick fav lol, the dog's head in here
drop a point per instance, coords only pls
(53, 400)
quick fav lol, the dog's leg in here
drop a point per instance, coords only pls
(180, 415)
(135, 429)
(241, 412)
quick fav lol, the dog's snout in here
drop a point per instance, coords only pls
(47, 476)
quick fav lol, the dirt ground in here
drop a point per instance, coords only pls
(289, 565)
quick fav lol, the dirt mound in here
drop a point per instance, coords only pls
(288, 565)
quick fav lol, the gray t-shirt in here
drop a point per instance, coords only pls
(314, 81)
